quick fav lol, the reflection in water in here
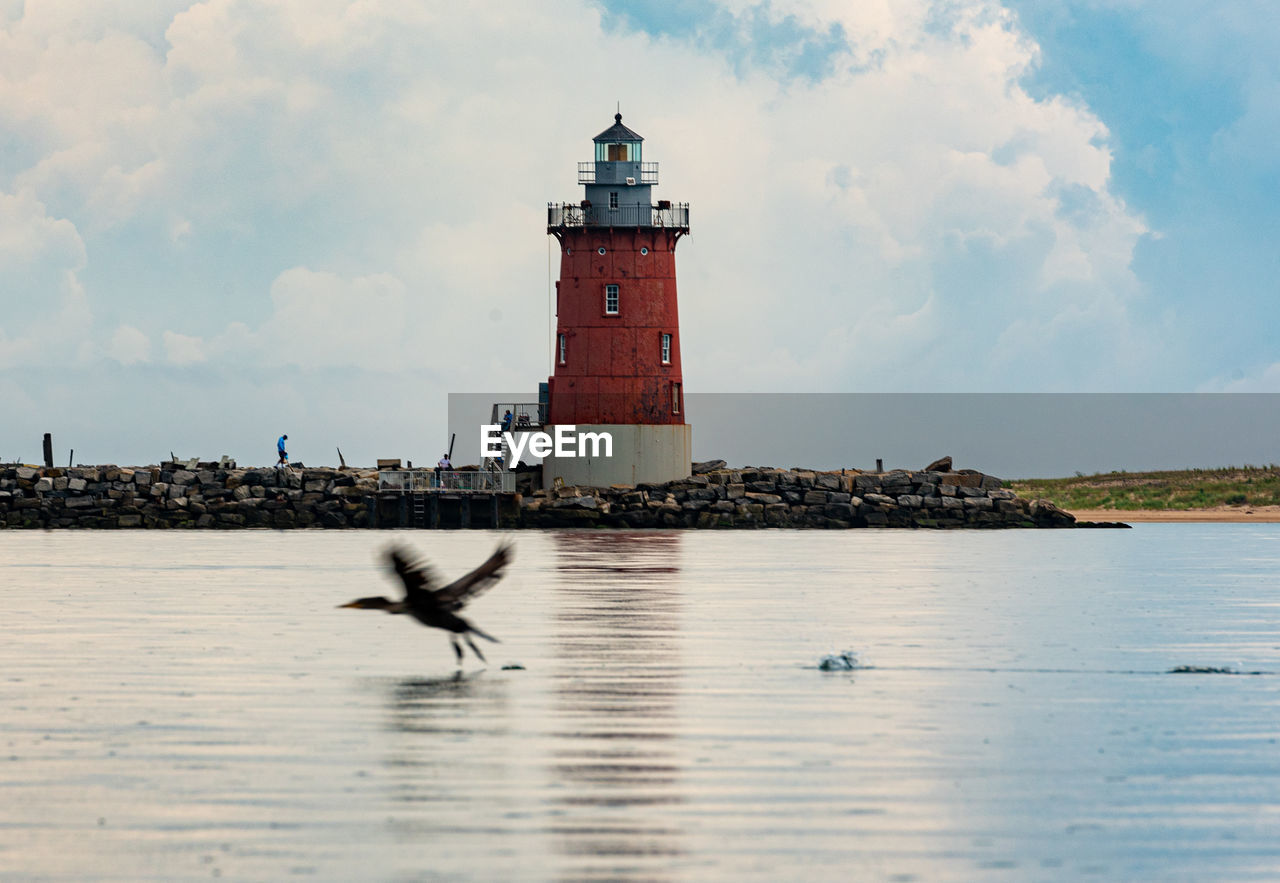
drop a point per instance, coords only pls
(168, 717)
(433, 721)
(582, 780)
(437, 705)
(617, 684)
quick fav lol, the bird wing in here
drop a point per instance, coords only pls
(415, 574)
(460, 591)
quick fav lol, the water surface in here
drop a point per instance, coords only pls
(192, 705)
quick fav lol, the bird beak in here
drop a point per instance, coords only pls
(352, 604)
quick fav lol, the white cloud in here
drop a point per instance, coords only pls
(930, 178)
(182, 349)
(360, 185)
(322, 319)
(29, 237)
(129, 346)
(44, 312)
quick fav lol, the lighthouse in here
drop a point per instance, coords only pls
(616, 351)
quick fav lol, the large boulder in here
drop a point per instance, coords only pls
(1046, 514)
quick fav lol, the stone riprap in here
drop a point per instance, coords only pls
(759, 497)
(170, 496)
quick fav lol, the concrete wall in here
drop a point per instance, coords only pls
(628, 194)
(641, 453)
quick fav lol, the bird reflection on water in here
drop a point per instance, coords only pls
(430, 719)
(617, 685)
(422, 705)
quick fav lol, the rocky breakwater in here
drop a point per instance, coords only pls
(758, 497)
(171, 496)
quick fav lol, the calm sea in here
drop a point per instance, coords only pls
(193, 705)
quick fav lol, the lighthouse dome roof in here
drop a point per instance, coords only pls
(617, 132)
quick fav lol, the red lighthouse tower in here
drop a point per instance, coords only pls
(617, 344)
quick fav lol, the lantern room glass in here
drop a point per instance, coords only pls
(618, 151)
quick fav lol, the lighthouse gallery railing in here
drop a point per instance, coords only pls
(566, 214)
(614, 175)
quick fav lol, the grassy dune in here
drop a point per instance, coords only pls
(1187, 489)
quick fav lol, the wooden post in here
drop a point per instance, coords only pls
(493, 509)
(434, 510)
(48, 450)
(404, 511)
(879, 465)
(464, 511)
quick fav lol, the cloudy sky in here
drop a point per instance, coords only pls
(224, 220)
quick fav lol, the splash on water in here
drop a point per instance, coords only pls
(846, 660)
(1205, 670)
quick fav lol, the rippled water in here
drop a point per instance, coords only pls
(191, 705)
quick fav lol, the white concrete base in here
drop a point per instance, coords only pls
(641, 453)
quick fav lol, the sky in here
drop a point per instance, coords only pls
(225, 220)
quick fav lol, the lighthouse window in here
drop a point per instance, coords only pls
(675, 398)
(666, 349)
(625, 151)
(613, 199)
(562, 348)
(611, 299)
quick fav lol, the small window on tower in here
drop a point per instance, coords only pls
(562, 349)
(618, 153)
(613, 199)
(666, 349)
(675, 398)
(611, 299)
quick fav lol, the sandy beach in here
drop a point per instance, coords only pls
(1232, 514)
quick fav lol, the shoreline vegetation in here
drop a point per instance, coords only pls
(1226, 494)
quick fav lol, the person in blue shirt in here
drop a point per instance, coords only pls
(284, 457)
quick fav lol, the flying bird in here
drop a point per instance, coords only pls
(438, 607)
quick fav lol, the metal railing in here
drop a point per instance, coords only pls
(427, 481)
(525, 415)
(587, 173)
(564, 214)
